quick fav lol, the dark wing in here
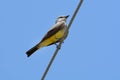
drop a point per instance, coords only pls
(54, 30)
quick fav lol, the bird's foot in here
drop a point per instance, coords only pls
(57, 46)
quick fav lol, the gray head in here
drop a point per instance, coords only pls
(62, 18)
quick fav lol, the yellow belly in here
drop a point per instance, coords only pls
(53, 38)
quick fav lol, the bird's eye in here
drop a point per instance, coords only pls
(61, 17)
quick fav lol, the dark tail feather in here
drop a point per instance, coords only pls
(31, 51)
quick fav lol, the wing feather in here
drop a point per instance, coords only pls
(54, 30)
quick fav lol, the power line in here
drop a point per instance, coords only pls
(59, 45)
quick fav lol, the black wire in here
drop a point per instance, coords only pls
(75, 13)
(59, 45)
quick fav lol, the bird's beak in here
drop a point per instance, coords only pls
(67, 16)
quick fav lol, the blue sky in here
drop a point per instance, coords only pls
(91, 51)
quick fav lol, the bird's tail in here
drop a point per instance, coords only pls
(32, 50)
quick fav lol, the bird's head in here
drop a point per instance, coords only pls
(62, 18)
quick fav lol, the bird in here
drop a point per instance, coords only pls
(53, 36)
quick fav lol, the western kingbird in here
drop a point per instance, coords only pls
(53, 36)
